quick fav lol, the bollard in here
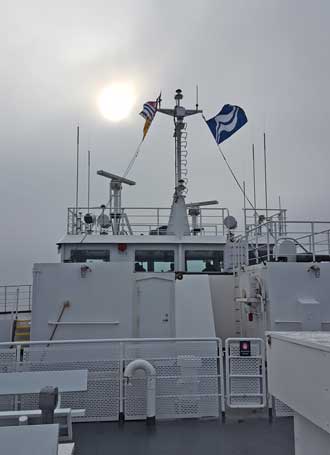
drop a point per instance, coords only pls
(48, 399)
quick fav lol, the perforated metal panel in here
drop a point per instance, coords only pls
(189, 376)
(189, 379)
(101, 400)
(245, 373)
(7, 365)
(281, 409)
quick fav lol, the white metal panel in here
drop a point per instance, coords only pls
(29, 440)
(105, 293)
(155, 307)
(139, 239)
(33, 382)
(309, 439)
(225, 316)
(299, 373)
(66, 449)
(245, 375)
(293, 302)
(300, 303)
(193, 307)
(5, 329)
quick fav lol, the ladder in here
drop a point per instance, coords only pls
(21, 330)
(184, 157)
(237, 307)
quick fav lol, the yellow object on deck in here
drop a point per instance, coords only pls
(22, 330)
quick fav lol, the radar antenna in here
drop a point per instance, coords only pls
(194, 210)
(116, 214)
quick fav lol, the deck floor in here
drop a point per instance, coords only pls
(186, 437)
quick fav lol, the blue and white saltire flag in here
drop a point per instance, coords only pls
(229, 120)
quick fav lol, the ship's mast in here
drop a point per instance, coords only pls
(178, 222)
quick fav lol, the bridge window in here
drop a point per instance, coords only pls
(203, 261)
(90, 256)
(154, 260)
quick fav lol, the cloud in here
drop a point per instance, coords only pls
(270, 57)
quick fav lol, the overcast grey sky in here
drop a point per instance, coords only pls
(269, 56)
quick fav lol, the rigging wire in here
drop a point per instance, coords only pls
(235, 178)
(133, 159)
(137, 151)
(130, 165)
(233, 174)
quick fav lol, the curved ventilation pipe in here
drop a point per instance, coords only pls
(150, 372)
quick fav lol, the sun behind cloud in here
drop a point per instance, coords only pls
(116, 101)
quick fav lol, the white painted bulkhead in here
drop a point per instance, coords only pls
(100, 300)
(296, 297)
(110, 300)
(223, 305)
(299, 376)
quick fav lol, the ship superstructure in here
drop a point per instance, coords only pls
(182, 293)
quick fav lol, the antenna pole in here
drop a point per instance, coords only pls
(197, 97)
(265, 170)
(244, 194)
(77, 177)
(88, 180)
(254, 187)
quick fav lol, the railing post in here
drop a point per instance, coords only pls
(309, 237)
(17, 301)
(17, 368)
(268, 246)
(257, 244)
(247, 251)
(121, 382)
(276, 231)
(313, 240)
(5, 299)
(29, 297)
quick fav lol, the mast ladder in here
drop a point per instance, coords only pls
(184, 157)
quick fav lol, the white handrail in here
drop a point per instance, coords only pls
(83, 323)
(106, 340)
(150, 372)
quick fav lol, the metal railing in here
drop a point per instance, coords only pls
(144, 220)
(15, 298)
(255, 217)
(189, 375)
(194, 376)
(261, 243)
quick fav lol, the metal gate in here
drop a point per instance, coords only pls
(245, 373)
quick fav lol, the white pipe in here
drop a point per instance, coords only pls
(150, 372)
